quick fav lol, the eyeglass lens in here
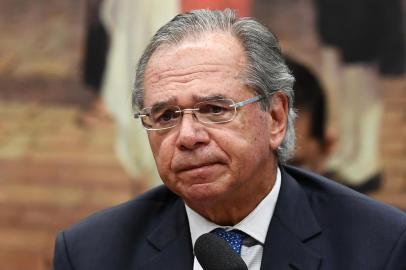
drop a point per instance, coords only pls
(213, 111)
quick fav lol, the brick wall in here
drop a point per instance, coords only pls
(52, 174)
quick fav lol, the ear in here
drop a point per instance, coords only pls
(279, 117)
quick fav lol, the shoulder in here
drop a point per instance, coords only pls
(137, 213)
(355, 230)
(335, 204)
(106, 239)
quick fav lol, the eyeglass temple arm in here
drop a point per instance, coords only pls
(248, 101)
(139, 115)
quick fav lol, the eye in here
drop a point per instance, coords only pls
(166, 115)
(212, 108)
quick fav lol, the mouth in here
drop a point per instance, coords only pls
(197, 167)
(201, 174)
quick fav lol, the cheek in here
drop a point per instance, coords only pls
(248, 144)
(257, 137)
(162, 149)
(257, 131)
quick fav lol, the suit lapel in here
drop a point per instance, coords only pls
(293, 226)
(171, 241)
(292, 229)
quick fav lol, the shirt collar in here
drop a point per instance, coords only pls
(255, 224)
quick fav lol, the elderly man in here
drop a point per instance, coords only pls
(215, 97)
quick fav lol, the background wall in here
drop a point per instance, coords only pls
(53, 171)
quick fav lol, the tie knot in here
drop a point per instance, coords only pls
(234, 238)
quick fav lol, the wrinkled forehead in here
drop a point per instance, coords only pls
(212, 59)
(211, 48)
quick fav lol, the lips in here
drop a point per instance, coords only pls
(182, 162)
(189, 167)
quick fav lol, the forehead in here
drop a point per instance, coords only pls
(208, 65)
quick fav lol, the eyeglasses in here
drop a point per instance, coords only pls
(215, 111)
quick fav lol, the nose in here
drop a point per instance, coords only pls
(192, 134)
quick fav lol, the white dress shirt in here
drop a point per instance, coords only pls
(255, 225)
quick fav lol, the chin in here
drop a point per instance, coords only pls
(203, 193)
(201, 185)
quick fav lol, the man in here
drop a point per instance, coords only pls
(314, 142)
(216, 98)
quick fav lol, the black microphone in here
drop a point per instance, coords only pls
(214, 253)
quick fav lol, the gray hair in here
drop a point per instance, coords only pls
(266, 71)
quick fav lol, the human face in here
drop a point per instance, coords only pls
(310, 153)
(209, 163)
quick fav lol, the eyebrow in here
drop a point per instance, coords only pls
(172, 100)
(208, 98)
(160, 104)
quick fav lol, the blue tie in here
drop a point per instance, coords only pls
(234, 238)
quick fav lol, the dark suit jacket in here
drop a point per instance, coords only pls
(317, 224)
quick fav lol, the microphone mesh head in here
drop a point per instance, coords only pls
(213, 253)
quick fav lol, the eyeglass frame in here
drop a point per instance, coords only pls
(235, 105)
